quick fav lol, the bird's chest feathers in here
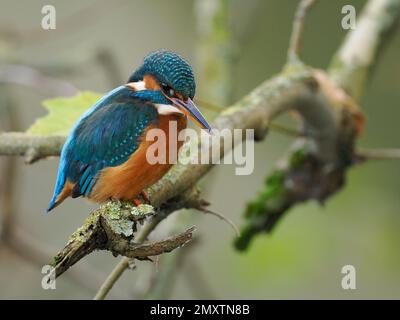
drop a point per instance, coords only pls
(172, 125)
(140, 171)
(166, 141)
(159, 148)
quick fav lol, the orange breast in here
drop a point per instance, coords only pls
(126, 181)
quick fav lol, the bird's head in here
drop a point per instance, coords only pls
(172, 76)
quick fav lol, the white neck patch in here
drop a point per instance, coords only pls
(166, 109)
(137, 86)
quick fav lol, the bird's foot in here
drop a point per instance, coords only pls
(145, 197)
(137, 202)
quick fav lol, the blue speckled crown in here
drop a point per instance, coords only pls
(169, 68)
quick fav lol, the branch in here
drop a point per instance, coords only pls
(298, 27)
(160, 247)
(116, 227)
(113, 227)
(378, 154)
(303, 174)
(223, 218)
(31, 147)
(352, 63)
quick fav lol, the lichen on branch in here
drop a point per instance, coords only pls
(114, 227)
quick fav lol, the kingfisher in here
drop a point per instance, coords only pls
(104, 156)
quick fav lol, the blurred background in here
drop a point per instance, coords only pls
(95, 46)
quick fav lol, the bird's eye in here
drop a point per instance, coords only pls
(168, 90)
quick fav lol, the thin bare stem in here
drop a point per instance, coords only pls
(223, 218)
(298, 27)
(285, 130)
(31, 147)
(379, 154)
(124, 263)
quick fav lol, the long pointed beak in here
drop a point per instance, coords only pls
(193, 112)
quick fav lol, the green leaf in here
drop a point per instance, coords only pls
(63, 113)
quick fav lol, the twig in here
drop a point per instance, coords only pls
(223, 218)
(298, 26)
(286, 130)
(142, 251)
(378, 154)
(31, 147)
(354, 60)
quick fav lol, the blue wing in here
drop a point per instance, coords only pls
(105, 136)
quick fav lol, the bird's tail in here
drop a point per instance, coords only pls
(61, 192)
(53, 203)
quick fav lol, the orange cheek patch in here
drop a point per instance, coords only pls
(151, 83)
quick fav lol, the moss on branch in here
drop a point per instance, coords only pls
(303, 177)
(115, 226)
(104, 229)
